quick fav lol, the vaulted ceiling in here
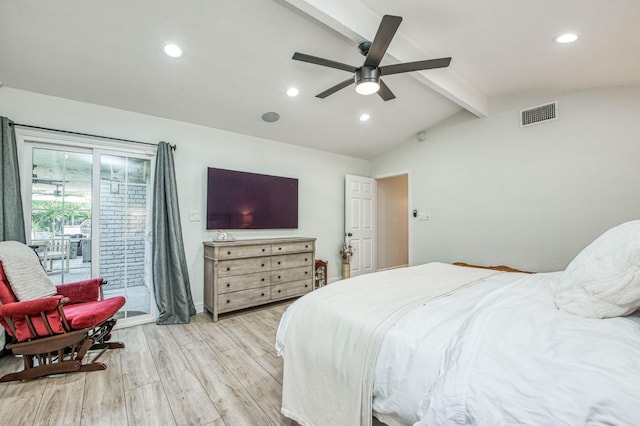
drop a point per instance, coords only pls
(237, 59)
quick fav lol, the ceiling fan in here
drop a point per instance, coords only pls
(367, 77)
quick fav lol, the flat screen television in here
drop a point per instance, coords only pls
(242, 200)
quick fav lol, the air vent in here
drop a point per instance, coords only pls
(538, 114)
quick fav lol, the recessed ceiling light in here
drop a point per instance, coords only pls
(292, 91)
(172, 50)
(364, 117)
(566, 38)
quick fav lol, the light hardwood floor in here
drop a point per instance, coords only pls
(202, 373)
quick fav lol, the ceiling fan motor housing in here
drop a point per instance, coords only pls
(365, 73)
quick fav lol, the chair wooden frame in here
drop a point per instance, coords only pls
(60, 353)
(43, 335)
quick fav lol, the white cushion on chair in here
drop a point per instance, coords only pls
(26, 276)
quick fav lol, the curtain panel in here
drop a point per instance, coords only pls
(170, 274)
(11, 215)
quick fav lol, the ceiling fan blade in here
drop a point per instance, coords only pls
(386, 31)
(385, 93)
(335, 88)
(321, 61)
(415, 66)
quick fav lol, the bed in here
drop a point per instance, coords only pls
(477, 346)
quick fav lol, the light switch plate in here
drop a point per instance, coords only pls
(424, 216)
(194, 216)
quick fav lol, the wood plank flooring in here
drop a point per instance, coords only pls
(202, 373)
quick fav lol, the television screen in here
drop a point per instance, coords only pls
(241, 200)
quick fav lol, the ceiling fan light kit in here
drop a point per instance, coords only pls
(367, 80)
(367, 77)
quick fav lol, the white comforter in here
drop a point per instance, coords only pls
(499, 352)
(412, 351)
(334, 338)
(519, 360)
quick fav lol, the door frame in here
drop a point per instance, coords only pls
(409, 207)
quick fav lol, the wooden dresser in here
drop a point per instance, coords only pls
(246, 273)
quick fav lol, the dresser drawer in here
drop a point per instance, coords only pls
(243, 299)
(234, 252)
(243, 282)
(291, 247)
(294, 288)
(291, 260)
(228, 268)
(291, 274)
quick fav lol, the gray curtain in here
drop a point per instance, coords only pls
(11, 218)
(170, 275)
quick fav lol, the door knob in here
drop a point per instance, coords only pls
(349, 234)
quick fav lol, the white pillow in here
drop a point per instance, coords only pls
(603, 281)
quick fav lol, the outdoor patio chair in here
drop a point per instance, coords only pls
(52, 327)
(54, 249)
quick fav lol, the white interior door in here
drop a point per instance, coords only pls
(360, 222)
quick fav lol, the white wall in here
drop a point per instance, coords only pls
(320, 174)
(528, 197)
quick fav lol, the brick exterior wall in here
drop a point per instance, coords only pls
(123, 224)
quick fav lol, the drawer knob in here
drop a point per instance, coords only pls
(263, 249)
(228, 301)
(279, 248)
(278, 276)
(305, 272)
(228, 285)
(305, 259)
(263, 265)
(228, 252)
(262, 295)
(307, 246)
(279, 291)
(278, 262)
(262, 279)
(228, 269)
(306, 285)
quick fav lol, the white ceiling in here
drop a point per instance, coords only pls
(237, 61)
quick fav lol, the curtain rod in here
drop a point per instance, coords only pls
(173, 147)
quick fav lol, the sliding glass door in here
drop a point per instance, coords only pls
(61, 207)
(90, 217)
(124, 230)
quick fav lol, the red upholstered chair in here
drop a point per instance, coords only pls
(54, 333)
